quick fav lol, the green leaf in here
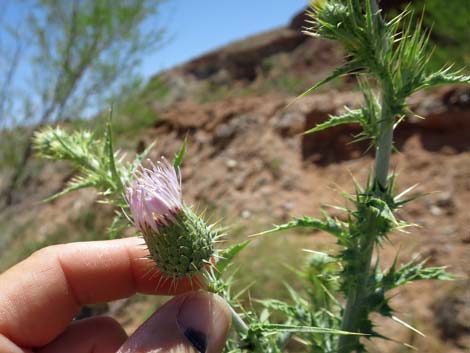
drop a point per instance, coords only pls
(119, 224)
(179, 156)
(383, 211)
(75, 184)
(443, 77)
(351, 116)
(304, 329)
(329, 225)
(343, 70)
(227, 256)
(277, 305)
(108, 142)
(413, 271)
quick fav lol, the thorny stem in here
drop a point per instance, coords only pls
(384, 145)
(285, 337)
(240, 325)
(355, 310)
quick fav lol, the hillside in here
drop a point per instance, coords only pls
(248, 163)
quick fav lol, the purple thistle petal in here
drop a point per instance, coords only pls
(154, 195)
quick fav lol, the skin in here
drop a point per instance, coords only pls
(40, 296)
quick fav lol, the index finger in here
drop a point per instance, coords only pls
(42, 294)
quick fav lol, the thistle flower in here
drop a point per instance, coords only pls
(179, 241)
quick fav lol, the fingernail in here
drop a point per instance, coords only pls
(204, 320)
(198, 339)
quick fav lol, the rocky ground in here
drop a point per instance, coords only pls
(249, 162)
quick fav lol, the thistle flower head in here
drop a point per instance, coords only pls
(155, 196)
(179, 241)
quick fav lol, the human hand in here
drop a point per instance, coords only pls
(40, 296)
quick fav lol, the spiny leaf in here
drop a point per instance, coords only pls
(295, 295)
(304, 329)
(383, 210)
(413, 271)
(444, 77)
(179, 156)
(330, 226)
(343, 70)
(276, 305)
(351, 116)
(227, 256)
(75, 184)
(110, 153)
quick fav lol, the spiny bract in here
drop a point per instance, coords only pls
(179, 241)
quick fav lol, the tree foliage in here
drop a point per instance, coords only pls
(83, 54)
(87, 50)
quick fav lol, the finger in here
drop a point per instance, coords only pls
(40, 296)
(97, 334)
(190, 323)
(7, 346)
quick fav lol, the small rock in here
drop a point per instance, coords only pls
(436, 211)
(266, 190)
(231, 163)
(245, 214)
(290, 123)
(224, 132)
(288, 206)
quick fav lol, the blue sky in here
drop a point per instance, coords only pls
(192, 27)
(197, 26)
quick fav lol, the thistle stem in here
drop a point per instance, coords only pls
(356, 311)
(384, 146)
(240, 326)
(238, 322)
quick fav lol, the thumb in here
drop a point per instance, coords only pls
(195, 322)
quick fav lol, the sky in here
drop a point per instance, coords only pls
(197, 26)
(192, 27)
